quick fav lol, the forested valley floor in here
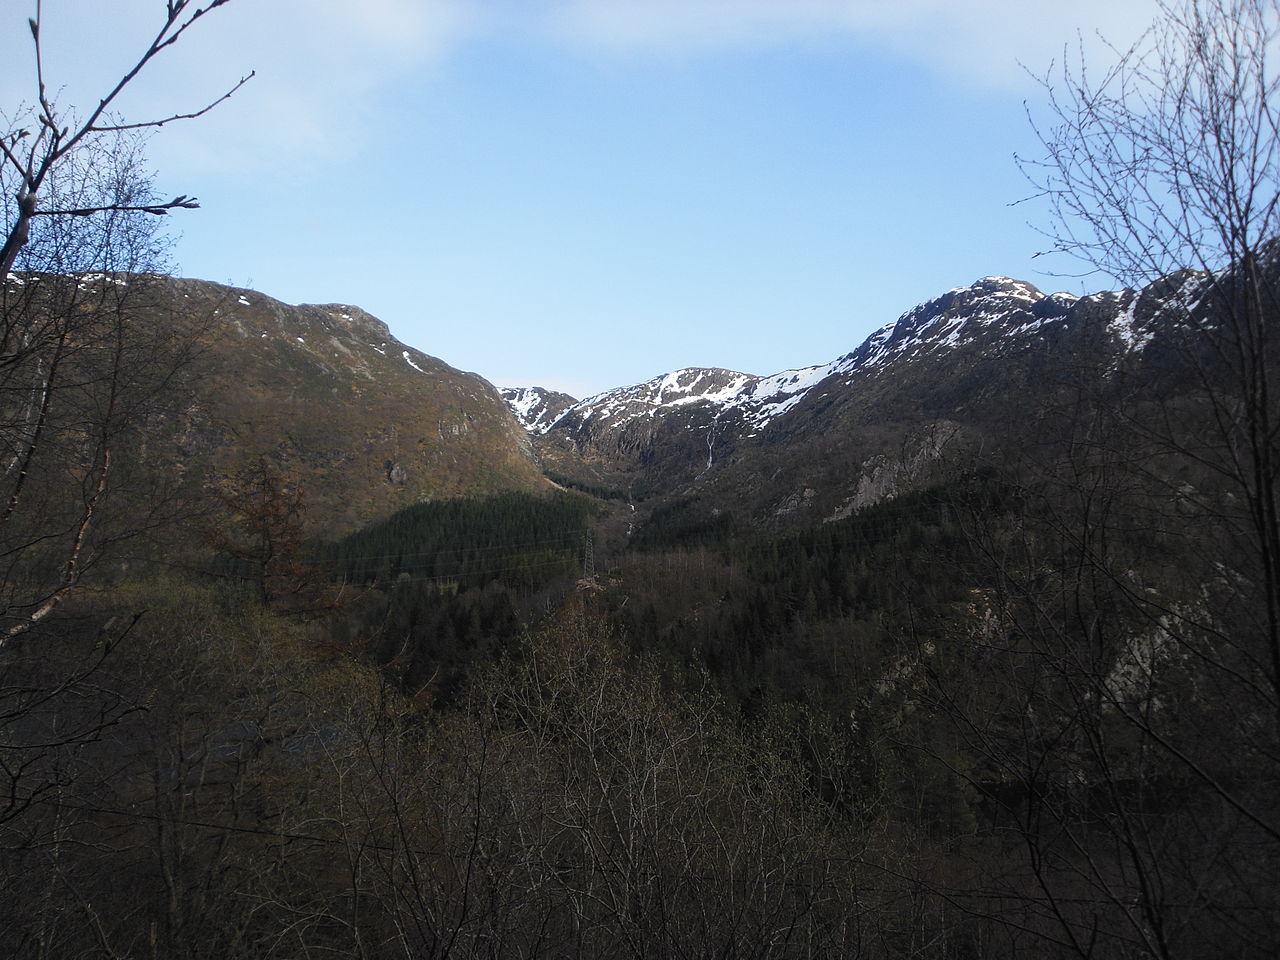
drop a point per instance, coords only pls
(931, 729)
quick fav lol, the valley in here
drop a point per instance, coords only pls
(962, 645)
(928, 604)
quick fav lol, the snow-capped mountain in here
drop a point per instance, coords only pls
(536, 407)
(955, 368)
(991, 309)
(753, 400)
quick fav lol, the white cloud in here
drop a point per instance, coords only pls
(974, 41)
(330, 71)
(323, 69)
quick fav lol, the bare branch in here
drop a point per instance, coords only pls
(111, 128)
(158, 209)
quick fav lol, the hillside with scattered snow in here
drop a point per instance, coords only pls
(820, 438)
(361, 423)
(963, 317)
(536, 407)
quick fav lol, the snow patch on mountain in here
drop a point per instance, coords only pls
(953, 319)
(535, 407)
(757, 400)
(524, 402)
(992, 313)
(961, 315)
(1125, 326)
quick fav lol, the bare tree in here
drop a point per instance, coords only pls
(1168, 166)
(90, 369)
(76, 206)
(1118, 694)
(51, 137)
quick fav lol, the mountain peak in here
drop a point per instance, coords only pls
(756, 400)
(536, 407)
(357, 320)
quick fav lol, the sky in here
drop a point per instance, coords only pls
(583, 194)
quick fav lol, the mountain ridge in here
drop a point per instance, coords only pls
(768, 396)
(325, 394)
(367, 424)
(813, 443)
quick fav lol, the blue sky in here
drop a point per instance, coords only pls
(587, 193)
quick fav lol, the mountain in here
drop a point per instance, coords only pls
(536, 407)
(325, 393)
(366, 425)
(951, 374)
(991, 309)
(752, 400)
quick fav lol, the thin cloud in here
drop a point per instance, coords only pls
(978, 41)
(324, 69)
(331, 72)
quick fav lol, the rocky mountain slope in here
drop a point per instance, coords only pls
(804, 445)
(364, 423)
